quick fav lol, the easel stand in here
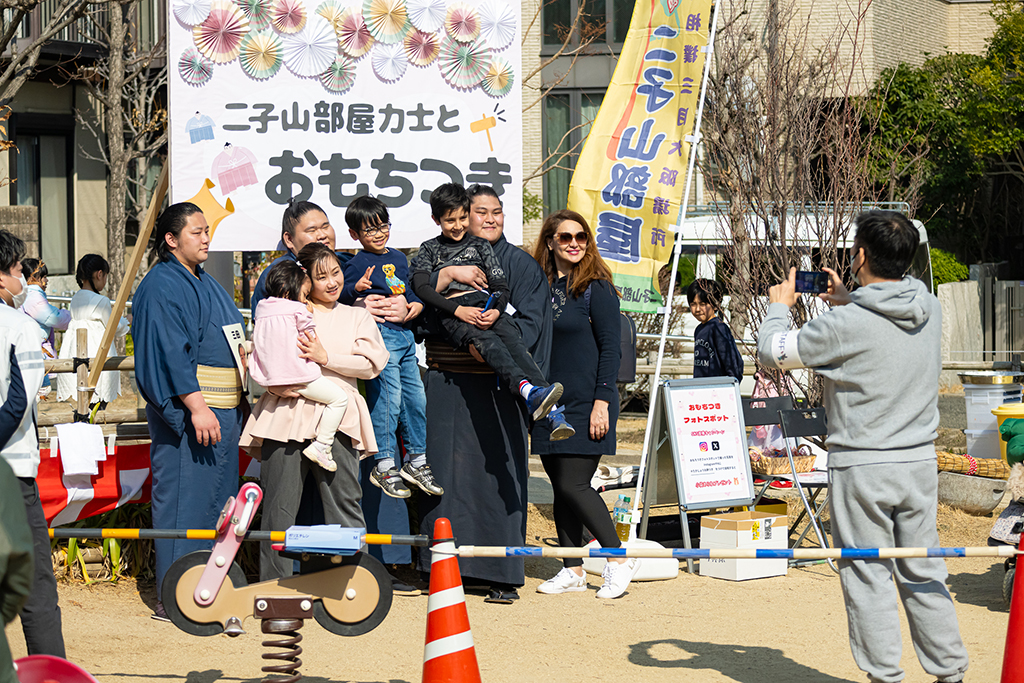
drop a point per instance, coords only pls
(698, 458)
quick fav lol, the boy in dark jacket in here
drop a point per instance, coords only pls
(714, 348)
(462, 311)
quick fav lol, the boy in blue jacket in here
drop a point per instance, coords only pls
(396, 396)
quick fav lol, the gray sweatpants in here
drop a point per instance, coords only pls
(886, 506)
(283, 472)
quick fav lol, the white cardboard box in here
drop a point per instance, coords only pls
(757, 530)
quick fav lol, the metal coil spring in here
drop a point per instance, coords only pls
(289, 659)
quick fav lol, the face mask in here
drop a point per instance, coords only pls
(19, 299)
(854, 272)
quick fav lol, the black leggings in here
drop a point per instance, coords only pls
(577, 504)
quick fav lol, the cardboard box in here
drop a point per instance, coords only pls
(752, 529)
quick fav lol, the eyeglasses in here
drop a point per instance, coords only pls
(374, 230)
(566, 238)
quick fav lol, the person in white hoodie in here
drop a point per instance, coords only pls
(879, 352)
(21, 375)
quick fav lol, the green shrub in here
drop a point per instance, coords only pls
(946, 268)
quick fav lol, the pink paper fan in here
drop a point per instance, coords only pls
(421, 48)
(194, 68)
(354, 37)
(219, 37)
(462, 22)
(288, 16)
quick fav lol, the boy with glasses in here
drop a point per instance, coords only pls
(396, 396)
(477, 318)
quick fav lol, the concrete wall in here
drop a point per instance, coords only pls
(23, 221)
(961, 326)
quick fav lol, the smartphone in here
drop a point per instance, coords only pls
(811, 282)
(491, 300)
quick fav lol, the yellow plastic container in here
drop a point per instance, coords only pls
(1004, 411)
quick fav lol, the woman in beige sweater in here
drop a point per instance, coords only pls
(348, 347)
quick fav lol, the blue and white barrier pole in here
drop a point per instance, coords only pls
(739, 553)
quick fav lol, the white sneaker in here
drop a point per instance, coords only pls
(617, 577)
(321, 455)
(565, 581)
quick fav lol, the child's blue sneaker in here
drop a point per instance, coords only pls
(543, 399)
(560, 429)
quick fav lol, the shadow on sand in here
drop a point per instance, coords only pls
(741, 663)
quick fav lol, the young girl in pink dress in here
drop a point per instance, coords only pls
(280, 319)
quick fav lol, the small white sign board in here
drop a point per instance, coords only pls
(709, 443)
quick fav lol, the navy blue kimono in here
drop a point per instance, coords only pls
(177, 325)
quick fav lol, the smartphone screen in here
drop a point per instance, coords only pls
(811, 282)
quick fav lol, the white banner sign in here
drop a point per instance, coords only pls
(325, 101)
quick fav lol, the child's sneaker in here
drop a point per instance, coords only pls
(321, 455)
(617, 577)
(422, 477)
(543, 399)
(390, 482)
(560, 429)
(565, 581)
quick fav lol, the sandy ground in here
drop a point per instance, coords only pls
(692, 628)
(790, 628)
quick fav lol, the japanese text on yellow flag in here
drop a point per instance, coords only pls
(630, 177)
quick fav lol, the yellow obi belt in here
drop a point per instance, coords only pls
(220, 386)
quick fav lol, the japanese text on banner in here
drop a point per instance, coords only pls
(629, 180)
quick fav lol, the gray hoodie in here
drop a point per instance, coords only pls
(880, 356)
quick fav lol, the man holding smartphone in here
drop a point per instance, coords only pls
(879, 350)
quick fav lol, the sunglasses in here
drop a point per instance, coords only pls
(375, 230)
(566, 238)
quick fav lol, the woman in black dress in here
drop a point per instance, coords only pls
(585, 359)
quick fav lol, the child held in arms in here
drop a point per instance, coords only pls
(396, 397)
(471, 317)
(280, 318)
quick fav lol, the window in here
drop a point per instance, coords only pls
(604, 20)
(42, 163)
(567, 119)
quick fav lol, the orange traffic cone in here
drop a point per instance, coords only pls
(1013, 654)
(448, 656)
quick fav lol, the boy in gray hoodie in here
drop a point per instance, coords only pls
(879, 352)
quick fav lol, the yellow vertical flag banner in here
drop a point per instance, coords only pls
(629, 179)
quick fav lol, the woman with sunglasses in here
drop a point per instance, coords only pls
(585, 359)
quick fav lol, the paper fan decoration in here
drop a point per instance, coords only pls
(463, 65)
(462, 22)
(340, 75)
(498, 80)
(497, 24)
(194, 68)
(261, 55)
(388, 20)
(310, 51)
(354, 37)
(219, 37)
(426, 15)
(421, 48)
(191, 12)
(288, 16)
(389, 61)
(258, 12)
(331, 10)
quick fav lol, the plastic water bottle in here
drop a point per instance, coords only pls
(622, 514)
